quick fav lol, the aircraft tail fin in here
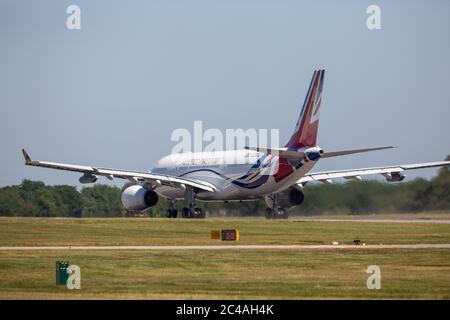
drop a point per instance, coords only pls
(305, 134)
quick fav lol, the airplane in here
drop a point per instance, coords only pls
(277, 175)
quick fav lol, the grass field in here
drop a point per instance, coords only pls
(253, 274)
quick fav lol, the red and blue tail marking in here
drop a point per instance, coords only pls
(305, 134)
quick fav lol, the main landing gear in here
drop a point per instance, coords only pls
(172, 212)
(274, 211)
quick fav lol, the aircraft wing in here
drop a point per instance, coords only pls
(392, 173)
(133, 176)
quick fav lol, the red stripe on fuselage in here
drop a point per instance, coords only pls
(284, 169)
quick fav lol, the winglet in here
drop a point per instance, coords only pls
(26, 156)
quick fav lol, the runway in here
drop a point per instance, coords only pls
(377, 220)
(229, 247)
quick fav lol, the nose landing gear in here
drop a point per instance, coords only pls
(192, 211)
(189, 212)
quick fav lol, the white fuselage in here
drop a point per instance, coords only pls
(236, 174)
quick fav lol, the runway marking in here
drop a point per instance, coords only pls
(232, 247)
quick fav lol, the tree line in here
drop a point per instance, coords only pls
(35, 199)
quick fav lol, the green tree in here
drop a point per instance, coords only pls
(102, 200)
(34, 198)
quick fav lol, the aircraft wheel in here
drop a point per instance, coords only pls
(269, 213)
(198, 213)
(186, 213)
(280, 214)
(173, 213)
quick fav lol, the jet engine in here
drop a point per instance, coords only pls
(395, 176)
(88, 178)
(286, 199)
(138, 198)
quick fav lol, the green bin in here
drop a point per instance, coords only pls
(61, 272)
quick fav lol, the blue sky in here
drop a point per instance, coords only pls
(111, 94)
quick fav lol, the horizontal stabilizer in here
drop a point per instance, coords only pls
(347, 152)
(292, 154)
(279, 152)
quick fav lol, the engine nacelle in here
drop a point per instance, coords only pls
(395, 176)
(138, 198)
(286, 199)
(88, 178)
